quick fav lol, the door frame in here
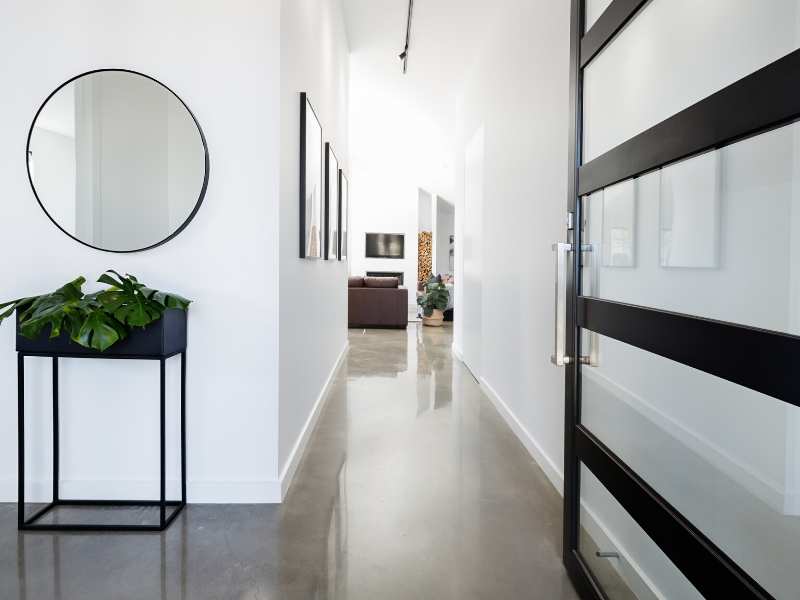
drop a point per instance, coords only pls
(759, 102)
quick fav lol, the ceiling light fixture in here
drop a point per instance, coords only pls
(404, 54)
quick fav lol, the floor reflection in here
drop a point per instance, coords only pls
(71, 565)
(412, 487)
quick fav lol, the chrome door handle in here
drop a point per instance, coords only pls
(593, 358)
(559, 357)
(591, 256)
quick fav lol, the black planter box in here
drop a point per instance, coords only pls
(165, 337)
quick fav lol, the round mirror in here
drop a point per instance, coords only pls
(117, 161)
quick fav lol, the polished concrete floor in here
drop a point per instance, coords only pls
(412, 487)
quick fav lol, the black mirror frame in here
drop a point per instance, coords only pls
(199, 129)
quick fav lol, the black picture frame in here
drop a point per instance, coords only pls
(207, 160)
(344, 213)
(331, 203)
(311, 241)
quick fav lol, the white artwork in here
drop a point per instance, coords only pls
(331, 204)
(344, 211)
(311, 200)
(689, 209)
(619, 225)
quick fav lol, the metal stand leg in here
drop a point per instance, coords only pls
(162, 503)
(183, 427)
(20, 440)
(56, 437)
(163, 497)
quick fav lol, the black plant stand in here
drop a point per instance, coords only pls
(161, 341)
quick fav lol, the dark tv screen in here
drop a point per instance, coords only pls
(386, 245)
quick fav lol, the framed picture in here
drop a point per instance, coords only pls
(619, 225)
(344, 211)
(311, 208)
(689, 213)
(331, 203)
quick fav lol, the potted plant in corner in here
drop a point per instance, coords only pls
(127, 317)
(433, 302)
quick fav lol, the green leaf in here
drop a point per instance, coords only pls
(55, 326)
(72, 290)
(97, 332)
(7, 313)
(170, 300)
(120, 277)
(137, 314)
(107, 279)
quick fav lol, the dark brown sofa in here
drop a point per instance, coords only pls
(376, 302)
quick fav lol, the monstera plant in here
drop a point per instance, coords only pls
(433, 301)
(97, 320)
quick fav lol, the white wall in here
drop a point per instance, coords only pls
(518, 95)
(392, 210)
(223, 59)
(469, 276)
(425, 216)
(313, 293)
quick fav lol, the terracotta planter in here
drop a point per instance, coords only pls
(435, 320)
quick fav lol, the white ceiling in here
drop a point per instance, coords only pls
(416, 112)
(445, 37)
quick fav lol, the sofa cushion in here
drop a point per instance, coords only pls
(355, 281)
(381, 282)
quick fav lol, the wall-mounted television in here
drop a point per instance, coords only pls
(386, 245)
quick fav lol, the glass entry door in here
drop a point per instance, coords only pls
(678, 300)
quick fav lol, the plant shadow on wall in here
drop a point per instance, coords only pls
(433, 302)
(97, 320)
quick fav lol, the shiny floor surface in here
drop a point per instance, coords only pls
(412, 487)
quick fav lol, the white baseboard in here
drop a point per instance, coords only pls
(296, 455)
(457, 352)
(550, 468)
(234, 492)
(198, 492)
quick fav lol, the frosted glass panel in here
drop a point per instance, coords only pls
(641, 571)
(595, 8)
(675, 53)
(716, 236)
(724, 456)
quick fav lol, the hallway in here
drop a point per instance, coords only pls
(412, 487)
